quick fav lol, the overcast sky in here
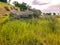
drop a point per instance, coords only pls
(44, 5)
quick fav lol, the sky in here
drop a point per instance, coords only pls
(43, 5)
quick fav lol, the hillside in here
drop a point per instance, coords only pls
(4, 8)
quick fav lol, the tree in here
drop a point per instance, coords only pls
(3, 1)
(22, 6)
(36, 12)
(27, 11)
(16, 4)
(48, 13)
(28, 7)
(54, 13)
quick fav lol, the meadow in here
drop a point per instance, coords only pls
(36, 31)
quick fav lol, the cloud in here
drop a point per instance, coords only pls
(48, 5)
(55, 8)
(35, 2)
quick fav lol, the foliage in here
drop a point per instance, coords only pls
(48, 13)
(36, 12)
(54, 13)
(21, 6)
(25, 14)
(3, 0)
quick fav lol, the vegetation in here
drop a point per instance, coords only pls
(25, 11)
(3, 0)
(22, 6)
(36, 31)
(54, 13)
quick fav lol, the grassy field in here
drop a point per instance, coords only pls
(42, 31)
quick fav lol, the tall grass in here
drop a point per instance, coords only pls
(42, 31)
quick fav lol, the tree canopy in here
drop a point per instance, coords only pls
(3, 0)
(22, 6)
